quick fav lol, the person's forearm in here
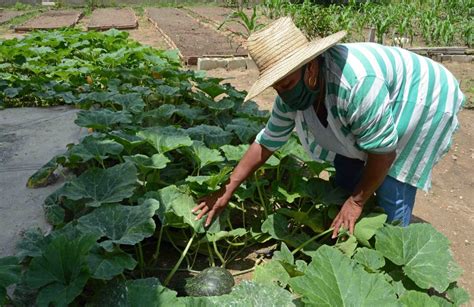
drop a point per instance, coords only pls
(255, 157)
(374, 173)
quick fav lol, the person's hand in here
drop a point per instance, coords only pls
(212, 205)
(347, 216)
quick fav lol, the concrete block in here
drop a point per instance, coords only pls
(251, 64)
(236, 63)
(210, 63)
(446, 58)
(462, 58)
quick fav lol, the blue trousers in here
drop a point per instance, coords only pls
(395, 197)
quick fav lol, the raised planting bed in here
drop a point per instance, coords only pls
(9, 15)
(51, 20)
(192, 38)
(108, 18)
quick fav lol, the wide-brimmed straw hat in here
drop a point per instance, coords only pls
(280, 49)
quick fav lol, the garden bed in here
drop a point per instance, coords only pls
(191, 38)
(9, 15)
(108, 18)
(51, 20)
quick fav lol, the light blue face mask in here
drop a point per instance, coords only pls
(300, 97)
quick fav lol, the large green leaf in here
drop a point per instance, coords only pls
(95, 148)
(423, 253)
(165, 139)
(61, 272)
(371, 259)
(213, 136)
(136, 293)
(314, 219)
(100, 186)
(175, 210)
(272, 273)
(121, 224)
(366, 227)
(417, 299)
(105, 265)
(246, 294)
(332, 279)
(205, 156)
(276, 225)
(157, 161)
(10, 272)
(31, 244)
(234, 153)
(102, 119)
(245, 129)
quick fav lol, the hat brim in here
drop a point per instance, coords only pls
(293, 62)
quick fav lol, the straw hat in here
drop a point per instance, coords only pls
(280, 49)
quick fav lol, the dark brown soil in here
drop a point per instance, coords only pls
(108, 18)
(191, 38)
(51, 20)
(8, 15)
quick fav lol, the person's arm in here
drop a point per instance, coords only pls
(214, 203)
(275, 134)
(373, 175)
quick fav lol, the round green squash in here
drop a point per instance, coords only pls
(212, 281)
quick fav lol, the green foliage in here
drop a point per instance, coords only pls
(160, 138)
(250, 23)
(441, 23)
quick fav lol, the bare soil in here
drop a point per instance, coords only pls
(190, 37)
(6, 16)
(51, 20)
(108, 18)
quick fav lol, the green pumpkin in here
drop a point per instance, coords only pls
(212, 281)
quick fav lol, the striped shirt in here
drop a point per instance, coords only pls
(379, 99)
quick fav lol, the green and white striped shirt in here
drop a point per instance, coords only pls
(379, 99)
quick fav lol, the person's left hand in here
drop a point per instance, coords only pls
(347, 216)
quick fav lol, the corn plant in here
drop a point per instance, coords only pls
(251, 24)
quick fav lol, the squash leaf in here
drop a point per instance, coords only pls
(105, 265)
(133, 293)
(102, 119)
(247, 293)
(100, 186)
(10, 272)
(94, 148)
(245, 129)
(175, 210)
(371, 259)
(212, 136)
(423, 253)
(366, 227)
(417, 299)
(165, 139)
(61, 271)
(332, 279)
(121, 224)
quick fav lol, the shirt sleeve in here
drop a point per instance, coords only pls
(370, 116)
(279, 127)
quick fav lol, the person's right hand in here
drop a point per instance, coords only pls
(212, 205)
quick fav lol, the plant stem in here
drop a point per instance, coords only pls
(260, 195)
(158, 245)
(311, 240)
(211, 256)
(176, 266)
(140, 259)
(244, 271)
(218, 254)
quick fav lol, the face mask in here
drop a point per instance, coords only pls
(300, 97)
